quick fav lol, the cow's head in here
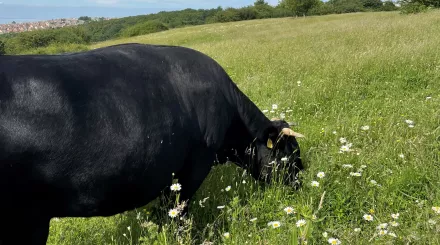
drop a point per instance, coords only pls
(276, 153)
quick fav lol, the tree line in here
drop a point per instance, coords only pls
(69, 39)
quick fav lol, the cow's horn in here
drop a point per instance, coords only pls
(290, 132)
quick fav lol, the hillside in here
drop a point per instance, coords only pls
(334, 76)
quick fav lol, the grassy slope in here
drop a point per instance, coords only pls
(371, 69)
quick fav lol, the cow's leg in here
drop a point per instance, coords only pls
(24, 230)
(194, 172)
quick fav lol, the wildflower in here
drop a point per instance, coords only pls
(334, 241)
(128, 228)
(365, 128)
(394, 223)
(383, 232)
(220, 207)
(355, 174)
(343, 140)
(373, 182)
(395, 216)
(382, 226)
(284, 159)
(274, 224)
(357, 229)
(228, 188)
(243, 182)
(289, 210)
(344, 148)
(201, 202)
(368, 217)
(299, 83)
(300, 223)
(347, 166)
(272, 111)
(274, 107)
(207, 243)
(226, 234)
(436, 210)
(321, 175)
(363, 166)
(315, 183)
(392, 234)
(253, 219)
(176, 187)
(334, 132)
(432, 222)
(409, 122)
(428, 98)
(124, 235)
(282, 115)
(265, 111)
(173, 213)
(325, 234)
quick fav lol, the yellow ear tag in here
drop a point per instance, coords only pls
(269, 144)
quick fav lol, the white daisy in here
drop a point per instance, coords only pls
(355, 174)
(382, 226)
(334, 241)
(321, 175)
(274, 224)
(365, 128)
(315, 183)
(289, 210)
(226, 234)
(274, 107)
(436, 210)
(173, 213)
(176, 187)
(368, 217)
(300, 223)
(395, 216)
(357, 229)
(228, 188)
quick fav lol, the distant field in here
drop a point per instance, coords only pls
(337, 74)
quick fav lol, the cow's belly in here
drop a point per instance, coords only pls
(115, 184)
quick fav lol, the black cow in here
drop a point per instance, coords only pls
(101, 132)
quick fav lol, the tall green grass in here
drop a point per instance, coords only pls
(333, 75)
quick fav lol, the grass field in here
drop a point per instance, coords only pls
(334, 75)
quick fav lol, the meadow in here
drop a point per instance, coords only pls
(364, 89)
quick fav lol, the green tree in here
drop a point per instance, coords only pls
(346, 6)
(388, 6)
(299, 7)
(371, 4)
(85, 18)
(2, 47)
(143, 29)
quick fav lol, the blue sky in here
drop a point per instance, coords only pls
(137, 3)
(36, 10)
